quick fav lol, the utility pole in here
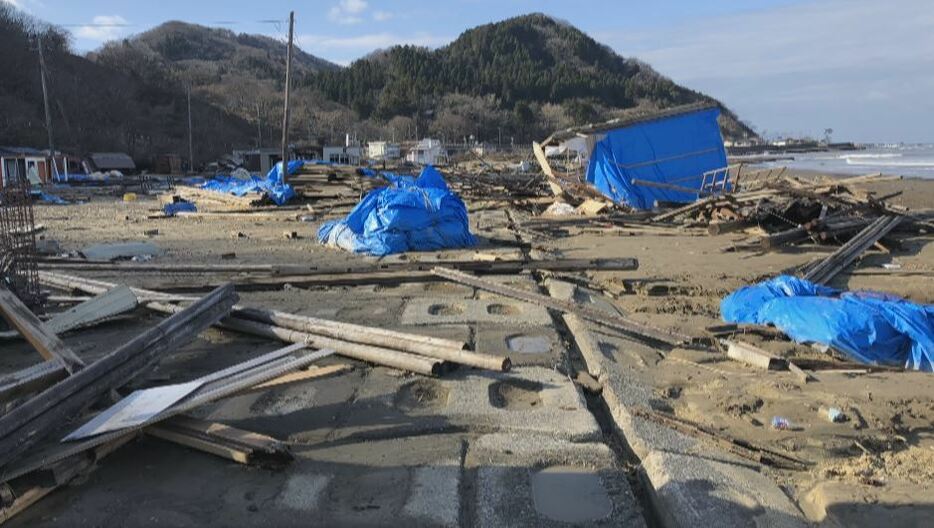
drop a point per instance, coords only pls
(191, 148)
(45, 99)
(259, 128)
(285, 115)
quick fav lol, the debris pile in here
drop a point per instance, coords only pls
(868, 327)
(411, 215)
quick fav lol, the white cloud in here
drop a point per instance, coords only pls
(348, 11)
(368, 42)
(807, 65)
(14, 3)
(382, 16)
(103, 28)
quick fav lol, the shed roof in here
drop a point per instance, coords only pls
(20, 151)
(111, 161)
(623, 122)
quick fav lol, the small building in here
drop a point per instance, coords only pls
(647, 157)
(65, 166)
(351, 153)
(257, 160)
(428, 152)
(167, 164)
(110, 161)
(23, 162)
(382, 151)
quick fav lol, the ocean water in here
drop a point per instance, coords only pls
(905, 160)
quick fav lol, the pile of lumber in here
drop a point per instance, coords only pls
(52, 422)
(791, 211)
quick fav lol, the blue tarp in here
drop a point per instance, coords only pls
(869, 327)
(43, 196)
(171, 209)
(677, 150)
(410, 215)
(272, 185)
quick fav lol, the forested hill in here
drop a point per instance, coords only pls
(526, 74)
(241, 73)
(95, 107)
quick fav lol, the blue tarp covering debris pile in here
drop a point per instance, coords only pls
(870, 327)
(272, 185)
(410, 215)
(676, 150)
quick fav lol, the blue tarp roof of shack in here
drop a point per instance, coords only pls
(677, 149)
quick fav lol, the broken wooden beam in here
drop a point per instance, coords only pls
(33, 379)
(452, 351)
(109, 304)
(37, 417)
(505, 266)
(828, 268)
(751, 355)
(269, 323)
(36, 333)
(222, 384)
(616, 322)
(241, 446)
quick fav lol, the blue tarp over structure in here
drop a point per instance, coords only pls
(412, 214)
(870, 327)
(272, 185)
(677, 149)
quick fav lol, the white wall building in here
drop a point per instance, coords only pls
(382, 151)
(428, 152)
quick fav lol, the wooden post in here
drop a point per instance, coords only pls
(285, 115)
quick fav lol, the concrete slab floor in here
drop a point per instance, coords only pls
(528, 480)
(540, 346)
(430, 311)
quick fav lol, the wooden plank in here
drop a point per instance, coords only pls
(295, 271)
(828, 268)
(802, 375)
(553, 185)
(207, 393)
(617, 322)
(311, 373)
(33, 420)
(36, 487)
(36, 333)
(582, 336)
(239, 445)
(751, 355)
(33, 379)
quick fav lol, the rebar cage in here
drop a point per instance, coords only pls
(18, 267)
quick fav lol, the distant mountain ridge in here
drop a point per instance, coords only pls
(522, 61)
(512, 81)
(95, 107)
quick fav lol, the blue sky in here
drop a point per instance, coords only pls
(862, 67)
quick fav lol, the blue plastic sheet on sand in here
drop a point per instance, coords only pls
(869, 327)
(412, 214)
(45, 197)
(677, 150)
(171, 209)
(280, 193)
